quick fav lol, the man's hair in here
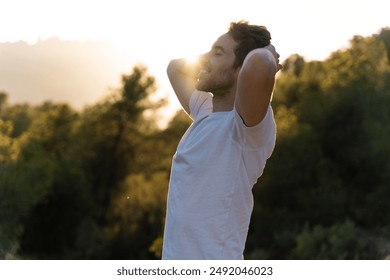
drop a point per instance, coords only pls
(249, 37)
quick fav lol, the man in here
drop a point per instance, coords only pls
(224, 151)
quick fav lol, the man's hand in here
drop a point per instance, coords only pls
(272, 49)
(183, 75)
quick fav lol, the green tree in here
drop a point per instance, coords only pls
(112, 131)
(384, 36)
(51, 150)
(137, 212)
(9, 226)
(137, 216)
(330, 163)
(119, 140)
(3, 101)
(338, 242)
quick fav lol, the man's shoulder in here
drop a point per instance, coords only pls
(201, 104)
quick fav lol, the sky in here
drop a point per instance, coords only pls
(154, 31)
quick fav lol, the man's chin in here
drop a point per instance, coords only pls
(200, 87)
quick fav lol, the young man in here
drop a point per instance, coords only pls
(224, 151)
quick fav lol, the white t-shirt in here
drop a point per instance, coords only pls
(210, 201)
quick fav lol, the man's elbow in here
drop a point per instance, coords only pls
(172, 67)
(261, 61)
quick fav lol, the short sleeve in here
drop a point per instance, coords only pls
(201, 105)
(261, 135)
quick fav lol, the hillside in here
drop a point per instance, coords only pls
(78, 73)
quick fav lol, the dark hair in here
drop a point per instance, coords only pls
(249, 37)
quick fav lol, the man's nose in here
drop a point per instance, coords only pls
(203, 58)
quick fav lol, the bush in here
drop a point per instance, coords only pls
(338, 242)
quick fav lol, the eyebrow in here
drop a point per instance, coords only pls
(217, 47)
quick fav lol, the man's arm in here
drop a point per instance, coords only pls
(255, 84)
(183, 76)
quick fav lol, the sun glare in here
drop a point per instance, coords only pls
(153, 32)
(192, 59)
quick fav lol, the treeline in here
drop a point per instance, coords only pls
(93, 184)
(89, 185)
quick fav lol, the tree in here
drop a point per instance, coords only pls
(338, 242)
(330, 164)
(3, 101)
(50, 150)
(119, 141)
(112, 131)
(384, 36)
(84, 162)
(9, 226)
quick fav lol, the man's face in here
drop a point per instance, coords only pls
(217, 74)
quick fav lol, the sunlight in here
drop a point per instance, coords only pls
(152, 32)
(192, 59)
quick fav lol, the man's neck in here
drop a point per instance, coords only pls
(220, 106)
(223, 102)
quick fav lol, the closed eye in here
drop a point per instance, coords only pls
(217, 50)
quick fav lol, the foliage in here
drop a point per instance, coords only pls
(93, 184)
(330, 168)
(338, 242)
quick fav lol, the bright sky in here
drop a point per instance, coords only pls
(155, 31)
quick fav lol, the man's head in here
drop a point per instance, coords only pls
(220, 66)
(217, 74)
